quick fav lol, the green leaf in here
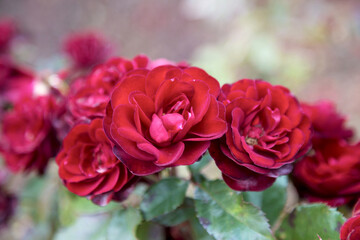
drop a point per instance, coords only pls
(73, 206)
(309, 221)
(197, 166)
(272, 200)
(163, 197)
(123, 224)
(198, 231)
(225, 215)
(179, 215)
(85, 228)
(150, 231)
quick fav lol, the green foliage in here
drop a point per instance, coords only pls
(73, 206)
(150, 231)
(272, 200)
(123, 224)
(310, 221)
(87, 227)
(163, 197)
(199, 165)
(179, 215)
(225, 215)
(198, 231)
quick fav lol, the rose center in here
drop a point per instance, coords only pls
(253, 134)
(163, 128)
(102, 160)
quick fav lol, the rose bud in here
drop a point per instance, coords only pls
(331, 175)
(88, 167)
(327, 123)
(7, 33)
(350, 230)
(267, 132)
(86, 49)
(28, 138)
(163, 117)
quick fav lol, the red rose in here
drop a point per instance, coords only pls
(327, 123)
(7, 32)
(163, 117)
(29, 139)
(88, 167)
(350, 230)
(267, 131)
(331, 175)
(88, 100)
(86, 49)
(15, 82)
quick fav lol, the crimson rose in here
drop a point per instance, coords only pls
(331, 174)
(15, 82)
(163, 117)
(267, 131)
(89, 99)
(28, 137)
(86, 49)
(327, 123)
(350, 230)
(88, 167)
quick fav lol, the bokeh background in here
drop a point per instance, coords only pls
(311, 47)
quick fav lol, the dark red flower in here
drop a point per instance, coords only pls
(89, 99)
(267, 131)
(28, 137)
(331, 174)
(7, 33)
(163, 117)
(327, 123)
(350, 230)
(88, 166)
(8, 204)
(86, 49)
(15, 82)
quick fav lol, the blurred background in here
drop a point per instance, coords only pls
(311, 47)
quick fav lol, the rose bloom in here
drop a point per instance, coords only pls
(350, 230)
(88, 167)
(28, 138)
(331, 174)
(7, 33)
(15, 82)
(327, 123)
(89, 99)
(86, 49)
(267, 132)
(163, 117)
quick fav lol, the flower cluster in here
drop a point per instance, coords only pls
(120, 120)
(330, 173)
